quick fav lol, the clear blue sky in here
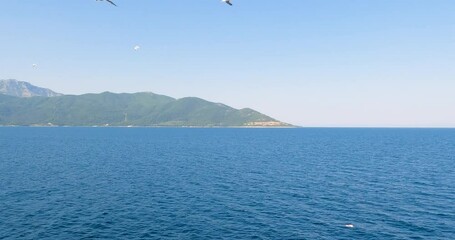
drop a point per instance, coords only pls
(307, 62)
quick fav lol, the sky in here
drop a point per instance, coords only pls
(315, 63)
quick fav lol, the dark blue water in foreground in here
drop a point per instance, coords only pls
(117, 183)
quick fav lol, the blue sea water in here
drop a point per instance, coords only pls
(158, 183)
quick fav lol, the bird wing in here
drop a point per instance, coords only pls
(111, 2)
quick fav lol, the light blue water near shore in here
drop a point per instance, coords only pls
(118, 183)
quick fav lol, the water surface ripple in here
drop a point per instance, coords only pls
(117, 183)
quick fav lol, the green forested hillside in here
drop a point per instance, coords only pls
(139, 109)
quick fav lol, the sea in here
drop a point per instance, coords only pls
(226, 183)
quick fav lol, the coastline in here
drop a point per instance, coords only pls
(55, 126)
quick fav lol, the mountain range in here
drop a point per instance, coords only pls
(22, 104)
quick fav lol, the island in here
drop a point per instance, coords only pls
(22, 104)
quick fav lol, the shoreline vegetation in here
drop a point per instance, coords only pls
(281, 125)
(155, 126)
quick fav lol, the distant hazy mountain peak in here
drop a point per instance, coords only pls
(16, 88)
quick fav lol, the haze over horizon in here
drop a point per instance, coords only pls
(310, 63)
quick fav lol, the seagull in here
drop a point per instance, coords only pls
(110, 1)
(227, 1)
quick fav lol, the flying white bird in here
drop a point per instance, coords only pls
(111, 2)
(34, 65)
(137, 47)
(227, 1)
